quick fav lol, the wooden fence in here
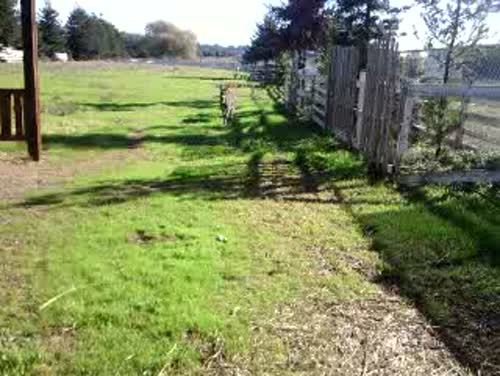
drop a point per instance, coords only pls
(21, 107)
(372, 110)
(265, 74)
(381, 136)
(364, 110)
(11, 115)
(342, 93)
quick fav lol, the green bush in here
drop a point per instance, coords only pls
(321, 155)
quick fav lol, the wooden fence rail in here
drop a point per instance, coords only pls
(12, 115)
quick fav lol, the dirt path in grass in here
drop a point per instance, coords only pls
(19, 175)
(380, 334)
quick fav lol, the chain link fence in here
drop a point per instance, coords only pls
(474, 83)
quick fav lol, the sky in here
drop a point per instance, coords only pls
(226, 22)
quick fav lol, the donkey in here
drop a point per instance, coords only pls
(227, 102)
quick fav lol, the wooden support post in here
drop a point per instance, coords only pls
(18, 110)
(31, 80)
(329, 121)
(6, 115)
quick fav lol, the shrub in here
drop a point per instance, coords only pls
(321, 155)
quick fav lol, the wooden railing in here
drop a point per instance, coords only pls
(12, 115)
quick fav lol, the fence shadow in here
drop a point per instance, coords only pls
(132, 106)
(122, 141)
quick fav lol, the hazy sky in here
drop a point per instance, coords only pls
(217, 21)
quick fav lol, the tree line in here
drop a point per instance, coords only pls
(216, 50)
(452, 30)
(316, 24)
(458, 26)
(87, 36)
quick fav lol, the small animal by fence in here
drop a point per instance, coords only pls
(228, 102)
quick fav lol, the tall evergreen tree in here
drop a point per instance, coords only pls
(267, 42)
(91, 37)
(302, 24)
(361, 21)
(7, 22)
(52, 38)
(77, 33)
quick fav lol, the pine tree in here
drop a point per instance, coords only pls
(302, 24)
(7, 22)
(266, 44)
(52, 38)
(77, 34)
(361, 21)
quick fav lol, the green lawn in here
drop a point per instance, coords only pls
(172, 234)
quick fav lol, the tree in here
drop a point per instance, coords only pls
(166, 39)
(52, 38)
(77, 33)
(456, 27)
(217, 50)
(136, 45)
(7, 22)
(103, 40)
(361, 21)
(301, 24)
(266, 44)
(91, 37)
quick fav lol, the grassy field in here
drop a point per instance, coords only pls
(153, 240)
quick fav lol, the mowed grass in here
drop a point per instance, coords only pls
(161, 253)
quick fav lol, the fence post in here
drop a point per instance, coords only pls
(31, 82)
(330, 90)
(360, 107)
(294, 81)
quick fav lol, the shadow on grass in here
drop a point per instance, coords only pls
(250, 130)
(116, 107)
(442, 251)
(122, 141)
(256, 179)
(200, 78)
(477, 217)
(201, 118)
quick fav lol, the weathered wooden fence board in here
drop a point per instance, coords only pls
(18, 110)
(11, 113)
(6, 115)
(342, 90)
(380, 128)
